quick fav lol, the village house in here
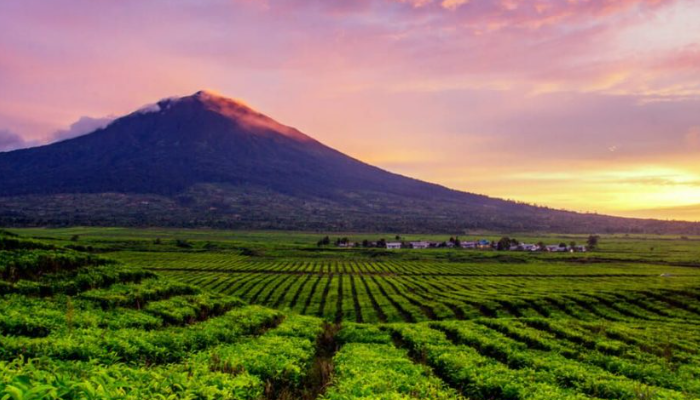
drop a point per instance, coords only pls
(477, 244)
(556, 248)
(483, 244)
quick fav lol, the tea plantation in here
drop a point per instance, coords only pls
(106, 313)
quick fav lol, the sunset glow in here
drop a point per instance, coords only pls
(585, 105)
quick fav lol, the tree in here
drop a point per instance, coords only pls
(503, 243)
(75, 238)
(457, 242)
(572, 244)
(381, 243)
(541, 246)
(365, 243)
(592, 241)
(182, 243)
(397, 237)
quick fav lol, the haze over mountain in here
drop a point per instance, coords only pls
(205, 160)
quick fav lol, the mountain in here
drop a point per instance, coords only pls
(205, 160)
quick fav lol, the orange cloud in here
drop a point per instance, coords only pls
(453, 4)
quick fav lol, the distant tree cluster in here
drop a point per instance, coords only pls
(324, 242)
(346, 242)
(183, 244)
(592, 241)
(505, 242)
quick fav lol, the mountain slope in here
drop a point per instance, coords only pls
(204, 160)
(197, 139)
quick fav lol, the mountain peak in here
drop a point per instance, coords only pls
(206, 95)
(241, 113)
(207, 92)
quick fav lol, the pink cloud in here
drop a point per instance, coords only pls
(692, 137)
(684, 59)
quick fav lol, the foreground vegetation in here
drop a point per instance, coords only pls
(134, 314)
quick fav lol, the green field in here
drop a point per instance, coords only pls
(201, 314)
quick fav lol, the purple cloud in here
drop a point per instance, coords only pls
(11, 141)
(82, 126)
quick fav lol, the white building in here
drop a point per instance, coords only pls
(393, 245)
(556, 248)
(468, 245)
(530, 247)
(420, 245)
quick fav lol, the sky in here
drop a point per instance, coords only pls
(586, 105)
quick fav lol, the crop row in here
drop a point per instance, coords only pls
(672, 369)
(485, 265)
(373, 298)
(137, 295)
(558, 369)
(483, 364)
(39, 317)
(33, 264)
(75, 281)
(245, 367)
(171, 344)
(381, 371)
